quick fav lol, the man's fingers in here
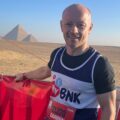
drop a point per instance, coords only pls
(19, 77)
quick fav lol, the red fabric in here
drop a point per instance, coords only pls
(99, 114)
(23, 100)
(118, 116)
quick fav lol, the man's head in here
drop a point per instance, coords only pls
(76, 25)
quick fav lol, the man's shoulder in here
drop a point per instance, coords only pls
(53, 54)
(103, 66)
(103, 60)
(57, 49)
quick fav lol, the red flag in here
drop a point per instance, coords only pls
(26, 100)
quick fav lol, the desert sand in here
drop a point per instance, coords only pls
(16, 57)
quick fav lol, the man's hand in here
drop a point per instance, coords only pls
(19, 77)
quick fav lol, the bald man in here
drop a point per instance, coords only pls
(83, 78)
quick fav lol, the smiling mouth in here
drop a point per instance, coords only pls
(70, 36)
(74, 37)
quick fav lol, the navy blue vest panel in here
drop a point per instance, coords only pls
(86, 114)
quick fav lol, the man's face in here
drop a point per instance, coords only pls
(76, 28)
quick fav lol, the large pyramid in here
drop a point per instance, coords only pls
(29, 38)
(19, 34)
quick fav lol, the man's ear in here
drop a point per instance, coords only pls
(61, 25)
(91, 26)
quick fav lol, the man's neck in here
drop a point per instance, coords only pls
(77, 51)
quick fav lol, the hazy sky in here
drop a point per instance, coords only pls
(41, 18)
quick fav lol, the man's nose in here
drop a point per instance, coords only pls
(74, 29)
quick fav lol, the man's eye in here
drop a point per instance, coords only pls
(69, 24)
(81, 26)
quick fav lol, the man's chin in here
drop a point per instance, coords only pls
(73, 46)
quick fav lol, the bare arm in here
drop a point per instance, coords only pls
(107, 102)
(117, 101)
(40, 73)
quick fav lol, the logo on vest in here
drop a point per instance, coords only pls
(64, 93)
(68, 95)
(56, 87)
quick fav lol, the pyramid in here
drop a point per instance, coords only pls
(17, 33)
(29, 38)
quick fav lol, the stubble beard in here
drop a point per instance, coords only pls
(74, 42)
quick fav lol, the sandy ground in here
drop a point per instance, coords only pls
(16, 57)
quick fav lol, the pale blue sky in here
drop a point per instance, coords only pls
(41, 18)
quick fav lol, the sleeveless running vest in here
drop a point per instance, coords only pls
(74, 87)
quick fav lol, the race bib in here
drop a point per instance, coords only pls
(57, 111)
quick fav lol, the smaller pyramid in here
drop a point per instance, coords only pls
(29, 38)
(17, 33)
